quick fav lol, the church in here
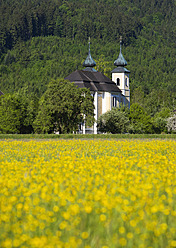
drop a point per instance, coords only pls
(107, 93)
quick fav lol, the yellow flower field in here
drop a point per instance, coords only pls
(88, 193)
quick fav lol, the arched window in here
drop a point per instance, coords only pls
(126, 82)
(118, 81)
(114, 101)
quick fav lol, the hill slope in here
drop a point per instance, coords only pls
(44, 39)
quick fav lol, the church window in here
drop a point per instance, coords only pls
(114, 103)
(118, 81)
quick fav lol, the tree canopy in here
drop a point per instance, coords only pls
(63, 107)
(17, 113)
(114, 121)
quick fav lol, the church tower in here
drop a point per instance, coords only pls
(120, 75)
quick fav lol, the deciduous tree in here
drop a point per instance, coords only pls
(113, 121)
(140, 121)
(63, 107)
(17, 113)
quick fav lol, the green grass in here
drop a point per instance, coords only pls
(87, 136)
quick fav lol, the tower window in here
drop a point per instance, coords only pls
(118, 82)
(126, 81)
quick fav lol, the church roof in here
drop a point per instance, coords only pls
(120, 69)
(89, 69)
(120, 61)
(92, 79)
(89, 62)
(95, 81)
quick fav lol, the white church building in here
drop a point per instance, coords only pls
(107, 93)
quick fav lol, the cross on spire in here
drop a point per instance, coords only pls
(89, 62)
(89, 44)
(120, 61)
(120, 43)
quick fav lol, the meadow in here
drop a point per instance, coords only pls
(88, 193)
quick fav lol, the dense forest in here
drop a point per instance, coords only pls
(43, 40)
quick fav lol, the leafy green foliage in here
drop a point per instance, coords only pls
(135, 120)
(140, 121)
(11, 112)
(113, 121)
(63, 107)
(17, 112)
(160, 120)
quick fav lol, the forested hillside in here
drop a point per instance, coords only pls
(45, 39)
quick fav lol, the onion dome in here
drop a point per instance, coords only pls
(89, 62)
(120, 61)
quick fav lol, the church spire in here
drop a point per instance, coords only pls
(120, 61)
(89, 62)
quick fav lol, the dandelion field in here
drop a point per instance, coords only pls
(88, 193)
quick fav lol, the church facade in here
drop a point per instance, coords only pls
(107, 93)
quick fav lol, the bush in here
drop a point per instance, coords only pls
(113, 121)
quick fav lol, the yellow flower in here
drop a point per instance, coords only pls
(70, 185)
(74, 209)
(102, 217)
(85, 235)
(133, 223)
(16, 243)
(129, 235)
(121, 230)
(7, 243)
(173, 243)
(154, 209)
(122, 242)
(66, 215)
(88, 209)
(63, 225)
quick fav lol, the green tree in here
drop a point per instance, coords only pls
(160, 120)
(17, 113)
(113, 121)
(11, 114)
(157, 100)
(29, 102)
(138, 96)
(63, 107)
(140, 121)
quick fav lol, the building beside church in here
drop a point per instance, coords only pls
(107, 93)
